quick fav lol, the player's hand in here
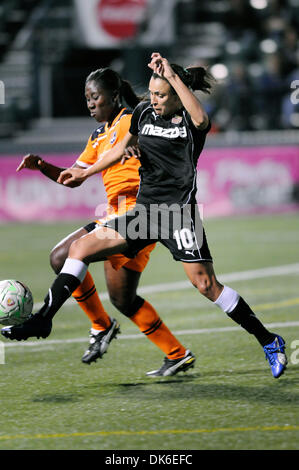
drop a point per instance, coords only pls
(72, 175)
(31, 162)
(161, 66)
(133, 151)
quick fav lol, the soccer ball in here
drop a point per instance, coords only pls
(16, 302)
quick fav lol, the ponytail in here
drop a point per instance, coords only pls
(200, 79)
(128, 94)
(196, 78)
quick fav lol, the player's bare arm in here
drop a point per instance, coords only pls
(190, 102)
(35, 162)
(111, 157)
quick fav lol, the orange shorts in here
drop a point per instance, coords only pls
(136, 264)
(118, 260)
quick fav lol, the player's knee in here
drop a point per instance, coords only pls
(126, 304)
(203, 284)
(204, 288)
(57, 258)
(121, 303)
(76, 250)
(208, 286)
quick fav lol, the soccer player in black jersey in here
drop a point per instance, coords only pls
(168, 133)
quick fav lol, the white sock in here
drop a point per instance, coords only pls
(228, 299)
(95, 332)
(75, 267)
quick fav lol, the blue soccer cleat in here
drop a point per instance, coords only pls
(275, 354)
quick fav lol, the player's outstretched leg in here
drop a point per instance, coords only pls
(40, 324)
(239, 311)
(203, 277)
(103, 328)
(35, 327)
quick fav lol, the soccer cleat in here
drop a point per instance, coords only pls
(173, 366)
(36, 326)
(99, 343)
(275, 354)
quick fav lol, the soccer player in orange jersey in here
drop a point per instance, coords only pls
(105, 93)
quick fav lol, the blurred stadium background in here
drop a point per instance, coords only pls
(48, 47)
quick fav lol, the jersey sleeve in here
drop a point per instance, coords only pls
(89, 155)
(208, 128)
(135, 118)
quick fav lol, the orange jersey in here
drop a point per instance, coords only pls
(119, 180)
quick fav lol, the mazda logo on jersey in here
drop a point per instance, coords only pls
(172, 133)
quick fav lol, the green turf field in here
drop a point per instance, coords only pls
(50, 400)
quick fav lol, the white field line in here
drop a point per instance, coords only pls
(225, 329)
(229, 277)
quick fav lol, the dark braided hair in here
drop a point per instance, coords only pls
(112, 82)
(196, 78)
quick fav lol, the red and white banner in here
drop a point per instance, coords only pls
(113, 23)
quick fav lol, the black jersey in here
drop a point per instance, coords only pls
(170, 147)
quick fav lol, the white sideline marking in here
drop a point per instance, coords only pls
(224, 329)
(228, 277)
(181, 285)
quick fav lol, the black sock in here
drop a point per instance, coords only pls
(244, 316)
(61, 289)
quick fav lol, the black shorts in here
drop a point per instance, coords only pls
(178, 228)
(90, 227)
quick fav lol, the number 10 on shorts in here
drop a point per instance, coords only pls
(184, 238)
